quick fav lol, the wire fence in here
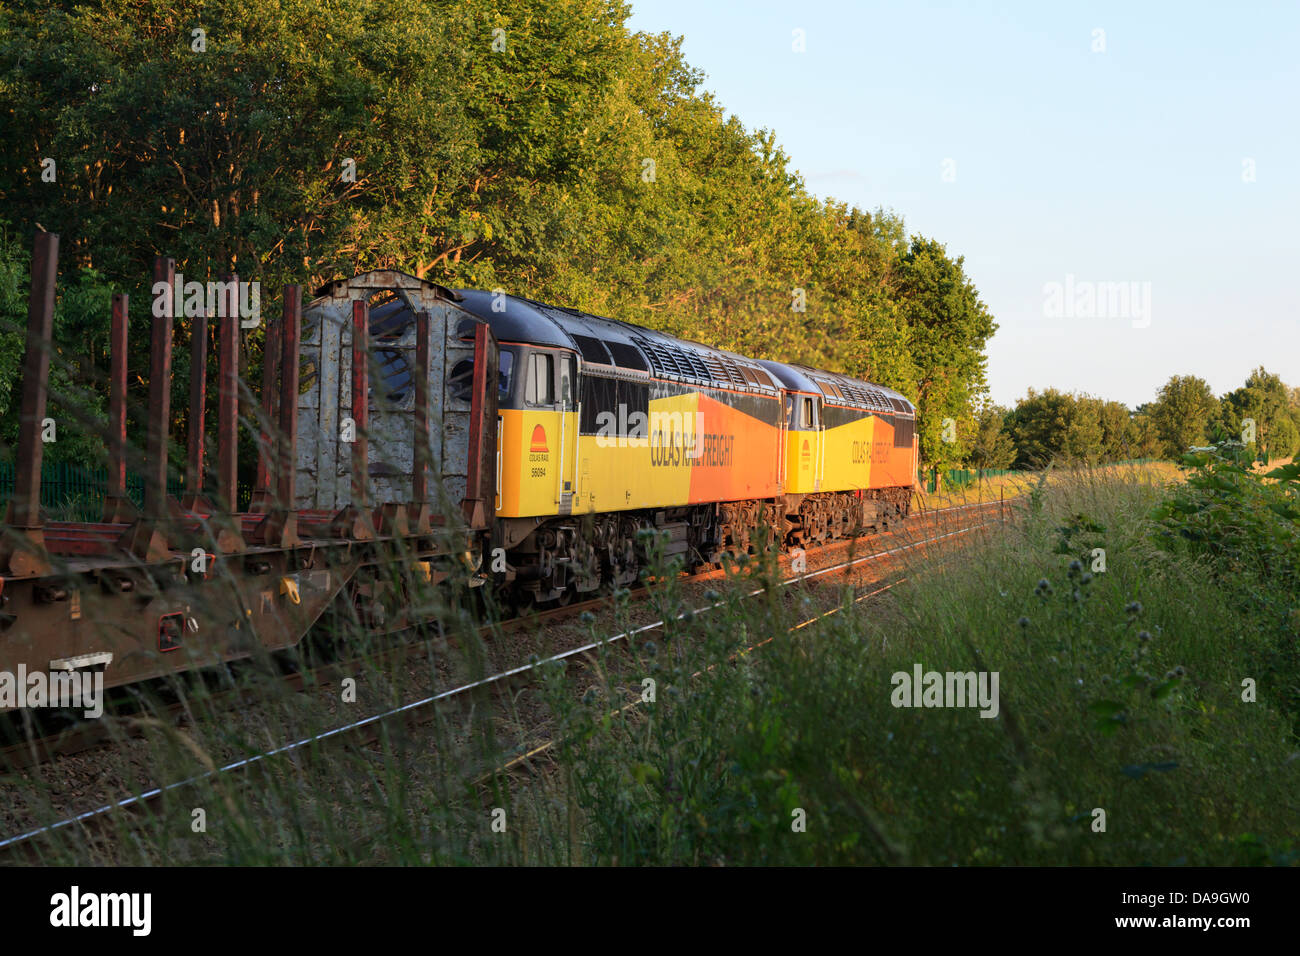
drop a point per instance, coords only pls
(76, 492)
(955, 479)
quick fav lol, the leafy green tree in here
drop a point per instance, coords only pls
(1037, 426)
(77, 397)
(1145, 436)
(470, 142)
(1182, 413)
(1264, 399)
(992, 447)
(1118, 432)
(948, 326)
(1069, 427)
(1084, 432)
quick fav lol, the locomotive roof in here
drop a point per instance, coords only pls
(613, 343)
(841, 389)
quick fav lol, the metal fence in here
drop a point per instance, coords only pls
(955, 479)
(76, 492)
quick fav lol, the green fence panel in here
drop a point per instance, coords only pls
(76, 492)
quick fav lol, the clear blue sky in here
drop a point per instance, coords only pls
(1117, 166)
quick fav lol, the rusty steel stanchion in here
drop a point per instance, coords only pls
(227, 531)
(280, 526)
(193, 500)
(147, 538)
(290, 327)
(22, 548)
(480, 480)
(228, 401)
(261, 501)
(160, 395)
(118, 508)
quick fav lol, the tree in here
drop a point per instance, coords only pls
(1265, 400)
(1182, 412)
(1118, 432)
(947, 327)
(473, 143)
(1146, 438)
(1084, 432)
(991, 447)
(1037, 426)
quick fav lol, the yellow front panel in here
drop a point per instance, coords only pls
(531, 459)
(801, 462)
(612, 473)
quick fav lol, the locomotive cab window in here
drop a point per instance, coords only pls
(568, 381)
(807, 415)
(506, 365)
(541, 379)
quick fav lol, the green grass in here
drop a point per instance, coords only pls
(1120, 690)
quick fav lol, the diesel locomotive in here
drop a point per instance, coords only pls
(604, 428)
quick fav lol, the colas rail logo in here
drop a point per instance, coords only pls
(538, 453)
(807, 453)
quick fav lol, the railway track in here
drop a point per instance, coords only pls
(369, 729)
(541, 748)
